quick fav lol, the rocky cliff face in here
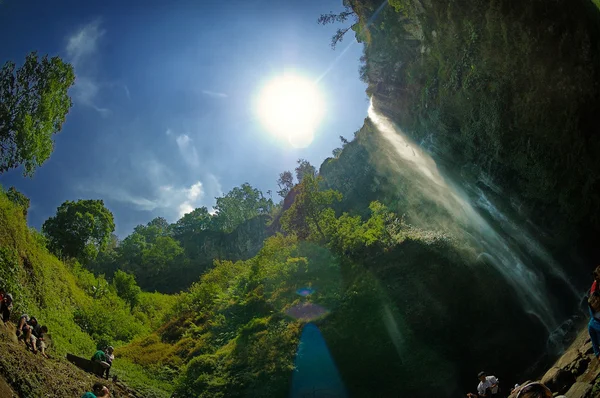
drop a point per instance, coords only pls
(503, 91)
(576, 374)
(206, 246)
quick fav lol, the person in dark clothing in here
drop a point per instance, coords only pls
(6, 304)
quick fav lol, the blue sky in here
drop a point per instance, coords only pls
(163, 119)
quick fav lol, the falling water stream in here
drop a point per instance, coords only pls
(516, 265)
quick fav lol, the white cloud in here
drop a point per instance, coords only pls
(82, 49)
(83, 44)
(194, 194)
(172, 202)
(214, 94)
(188, 150)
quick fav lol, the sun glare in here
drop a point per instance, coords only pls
(291, 107)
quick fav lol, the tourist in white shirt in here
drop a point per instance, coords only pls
(488, 386)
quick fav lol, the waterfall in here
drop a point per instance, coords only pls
(409, 161)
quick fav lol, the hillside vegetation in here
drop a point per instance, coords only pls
(82, 311)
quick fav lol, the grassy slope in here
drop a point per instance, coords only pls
(53, 291)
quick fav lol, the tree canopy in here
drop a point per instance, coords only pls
(307, 215)
(79, 229)
(304, 169)
(240, 204)
(19, 199)
(285, 182)
(34, 103)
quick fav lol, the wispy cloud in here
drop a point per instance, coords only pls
(214, 94)
(82, 53)
(85, 92)
(169, 201)
(83, 44)
(188, 150)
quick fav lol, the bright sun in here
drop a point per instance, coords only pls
(291, 107)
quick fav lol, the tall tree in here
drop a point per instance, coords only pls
(33, 105)
(80, 229)
(19, 199)
(305, 169)
(332, 18)
(126, 287)
(158, 256)
(285, 183)
(311, 210)
(155, 228)
(191, 224)
(239, 205)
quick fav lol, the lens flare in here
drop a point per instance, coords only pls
(306, 312)
(305, 291)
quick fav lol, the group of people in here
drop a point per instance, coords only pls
(105, 358)
(28, 330)
(99, 390)
(32, 333)
(489, 385)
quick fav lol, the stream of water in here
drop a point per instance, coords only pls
(517, 266)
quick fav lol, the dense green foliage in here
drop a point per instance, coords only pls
(33, 106)
(79, 229)
(19, 199)
(170, 257)
(82, 311)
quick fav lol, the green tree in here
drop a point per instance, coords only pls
(332, 18)
(158, 256)
(155, 228)
(80, 229)
(126, 287)
(285, 183)
(19, 199)
(305, 169)
(33, 105)
(239, 205)
(311, 210)
(191, 223)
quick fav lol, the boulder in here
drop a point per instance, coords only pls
(579, 390)
(568, 359)
(580, 366)
(587, 349)
(558, 380)
(592, 372)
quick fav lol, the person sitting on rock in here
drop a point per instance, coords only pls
(99, 390)
(488, 386)
(102, 358)
(6, 304)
